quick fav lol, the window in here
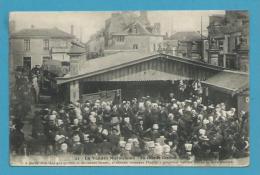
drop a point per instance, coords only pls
(45, 59)
(135, 29)
(26, 44)
(59, 43)
(120, 38)
(135, 46)
(221, 44)
(27, 63)
(46, 44)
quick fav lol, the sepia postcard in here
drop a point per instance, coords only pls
(129, 88)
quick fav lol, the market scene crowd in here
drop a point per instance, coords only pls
(180, 126)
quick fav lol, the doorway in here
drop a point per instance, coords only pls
(27, 62)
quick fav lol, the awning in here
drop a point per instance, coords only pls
(231, 82)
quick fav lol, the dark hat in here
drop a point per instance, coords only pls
(114, 129)
(19, 125)
(70, 106)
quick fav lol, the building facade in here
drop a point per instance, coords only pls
(229, 40)
(126, 31)
(30, 47)
(189, 44)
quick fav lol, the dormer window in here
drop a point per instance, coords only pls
(135, 29)
(46, 44)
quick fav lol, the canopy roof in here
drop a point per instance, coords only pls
(229, 81)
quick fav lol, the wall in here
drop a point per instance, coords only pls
(74, 91)
(36, 51)
(144, 42)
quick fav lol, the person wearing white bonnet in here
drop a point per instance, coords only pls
(76, 122)
(128, 146)
(205, 122)
(59, 122)
(92, 119)
(223, 106)
(52, 119)
(64, 148)
(155, 126)
(174, 128)
(86, 137)
(125, 153)
(86, 110)
(174, 106)
(229, 114)
(188, 108)
(141, 106)
(93, 113)
(166, 149)
(182, 104)
(211, 119)
(76, 138)
(54, 112)
(202, 132)
(104, 132)
(122, 143)
(180, 112)
(158, 150)
(127, 120)
(79, 117)
(200, 117)
(195, 104)
(162, 140)
(170, 116)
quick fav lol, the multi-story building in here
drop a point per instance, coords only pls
(127, 31)
(189, 44)
(33, 46)
(228, 40)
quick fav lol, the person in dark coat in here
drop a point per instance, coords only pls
(114, 140)
(126, 128)
(17, 139)
(77, 148)
(106, 146)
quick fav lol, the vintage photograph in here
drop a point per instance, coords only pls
(129, 88)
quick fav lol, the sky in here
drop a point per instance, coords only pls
(87, 23)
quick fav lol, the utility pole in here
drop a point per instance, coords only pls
(201, 28)
(201, 41)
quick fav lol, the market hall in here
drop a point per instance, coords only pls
(137, 74)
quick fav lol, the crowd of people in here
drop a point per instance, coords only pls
(147, 127)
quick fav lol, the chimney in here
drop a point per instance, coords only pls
(144, 18)
(157, 28)
(77, 56)
(166, 35)
(72, 29)
(143, 15)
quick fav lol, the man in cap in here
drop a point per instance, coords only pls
(126, 128)
(154, 133)
(17, 138)
(136, 150)
(89, 147)
(126, 152)
(114, 138)
(172, 135)
(105, 147)
(50, 132)
(77, 147)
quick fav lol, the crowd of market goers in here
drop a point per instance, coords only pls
(148, 127)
